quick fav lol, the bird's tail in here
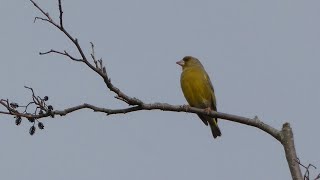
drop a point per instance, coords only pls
(214, 128)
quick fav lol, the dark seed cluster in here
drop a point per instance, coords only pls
(41, 110)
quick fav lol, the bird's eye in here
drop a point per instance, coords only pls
(186, 59)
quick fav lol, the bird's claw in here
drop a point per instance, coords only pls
(207, 110)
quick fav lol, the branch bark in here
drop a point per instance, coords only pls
(290, 151)
(284, 136)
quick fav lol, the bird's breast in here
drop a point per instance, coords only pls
(196, 88)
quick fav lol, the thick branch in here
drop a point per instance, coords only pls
(290, 151)
(167, 107)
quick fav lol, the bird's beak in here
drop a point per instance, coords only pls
(181, 63)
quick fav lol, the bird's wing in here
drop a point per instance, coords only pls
(213, 97)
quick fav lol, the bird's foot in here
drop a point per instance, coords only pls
(207, 110)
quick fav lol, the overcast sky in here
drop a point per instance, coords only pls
(262, 56)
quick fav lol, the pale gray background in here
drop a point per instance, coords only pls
(262, 56)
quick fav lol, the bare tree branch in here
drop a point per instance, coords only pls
(100, 70)
(158, 106)
(290, 151)
(65, 53)
(307, 173)
(61, 12)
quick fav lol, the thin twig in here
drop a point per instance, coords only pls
(65, 53)
(307, 173)
(61, 12)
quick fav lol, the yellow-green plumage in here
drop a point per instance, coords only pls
(198, 90)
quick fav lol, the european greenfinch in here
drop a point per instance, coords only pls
(198, 90)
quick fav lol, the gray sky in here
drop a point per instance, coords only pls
(262, 56)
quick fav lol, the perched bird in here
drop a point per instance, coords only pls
(198, 90)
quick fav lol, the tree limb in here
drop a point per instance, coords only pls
(290, 151)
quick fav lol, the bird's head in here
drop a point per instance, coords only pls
(189, 61)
